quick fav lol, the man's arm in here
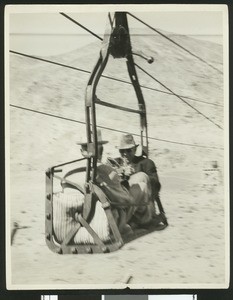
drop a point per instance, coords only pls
(150, 169)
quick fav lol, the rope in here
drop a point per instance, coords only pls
(198, 111)
(85, 28)
(171, 40)
(109, 77)
(112, 129)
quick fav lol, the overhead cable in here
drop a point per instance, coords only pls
(108, 77)
(152, 28)
(198, 111)
(177, 44)
(48, 61)
(112, 129)
(77, 23)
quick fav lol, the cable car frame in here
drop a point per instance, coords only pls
(116, 43)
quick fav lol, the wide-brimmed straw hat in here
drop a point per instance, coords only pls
(99, 139)
(127, 142)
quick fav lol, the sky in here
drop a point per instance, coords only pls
(182, 21)
(42, 20)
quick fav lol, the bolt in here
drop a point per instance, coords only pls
(105, 249)
(88, 249)
(59, 250)
(48, 236)
(120, 244)
(74, 250)
(48, 173)
(48, 216)
(48, 196)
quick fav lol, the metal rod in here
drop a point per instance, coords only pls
(100, 102)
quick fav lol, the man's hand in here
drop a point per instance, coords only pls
(120, 171)
(128, 170)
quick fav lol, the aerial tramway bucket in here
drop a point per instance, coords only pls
(82, 219)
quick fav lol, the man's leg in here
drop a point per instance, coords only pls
(140, 177)
(120, 216)
(141, 212)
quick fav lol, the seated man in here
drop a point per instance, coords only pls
(135, 166)
(127, 202)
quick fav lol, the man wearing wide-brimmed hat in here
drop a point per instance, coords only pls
(100, 144)
(131, 202)
(137, 162)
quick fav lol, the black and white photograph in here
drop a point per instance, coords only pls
(116, 143)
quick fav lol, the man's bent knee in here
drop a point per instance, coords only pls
(139, 177)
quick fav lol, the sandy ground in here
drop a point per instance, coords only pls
(191, 252)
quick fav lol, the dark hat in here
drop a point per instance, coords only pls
(127, 142)
(99, 139)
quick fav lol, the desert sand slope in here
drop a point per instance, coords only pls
(191, 251)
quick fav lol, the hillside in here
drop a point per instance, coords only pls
(196, 254)
(58, 90)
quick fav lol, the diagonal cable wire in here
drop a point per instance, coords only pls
(171, 40)
(111, 22)
(112, 129)
(109, 77)
(198, 111)
(80, 25)
(45, 60)
(49, 61)
(152, 28)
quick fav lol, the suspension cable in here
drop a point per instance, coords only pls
(171, 40)
(49, 61)
(111, 22)
(109, 77)
(152, 28)
(74, 68)
(77, 23)
(47, 114)
(198, 111)
(112, 129)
